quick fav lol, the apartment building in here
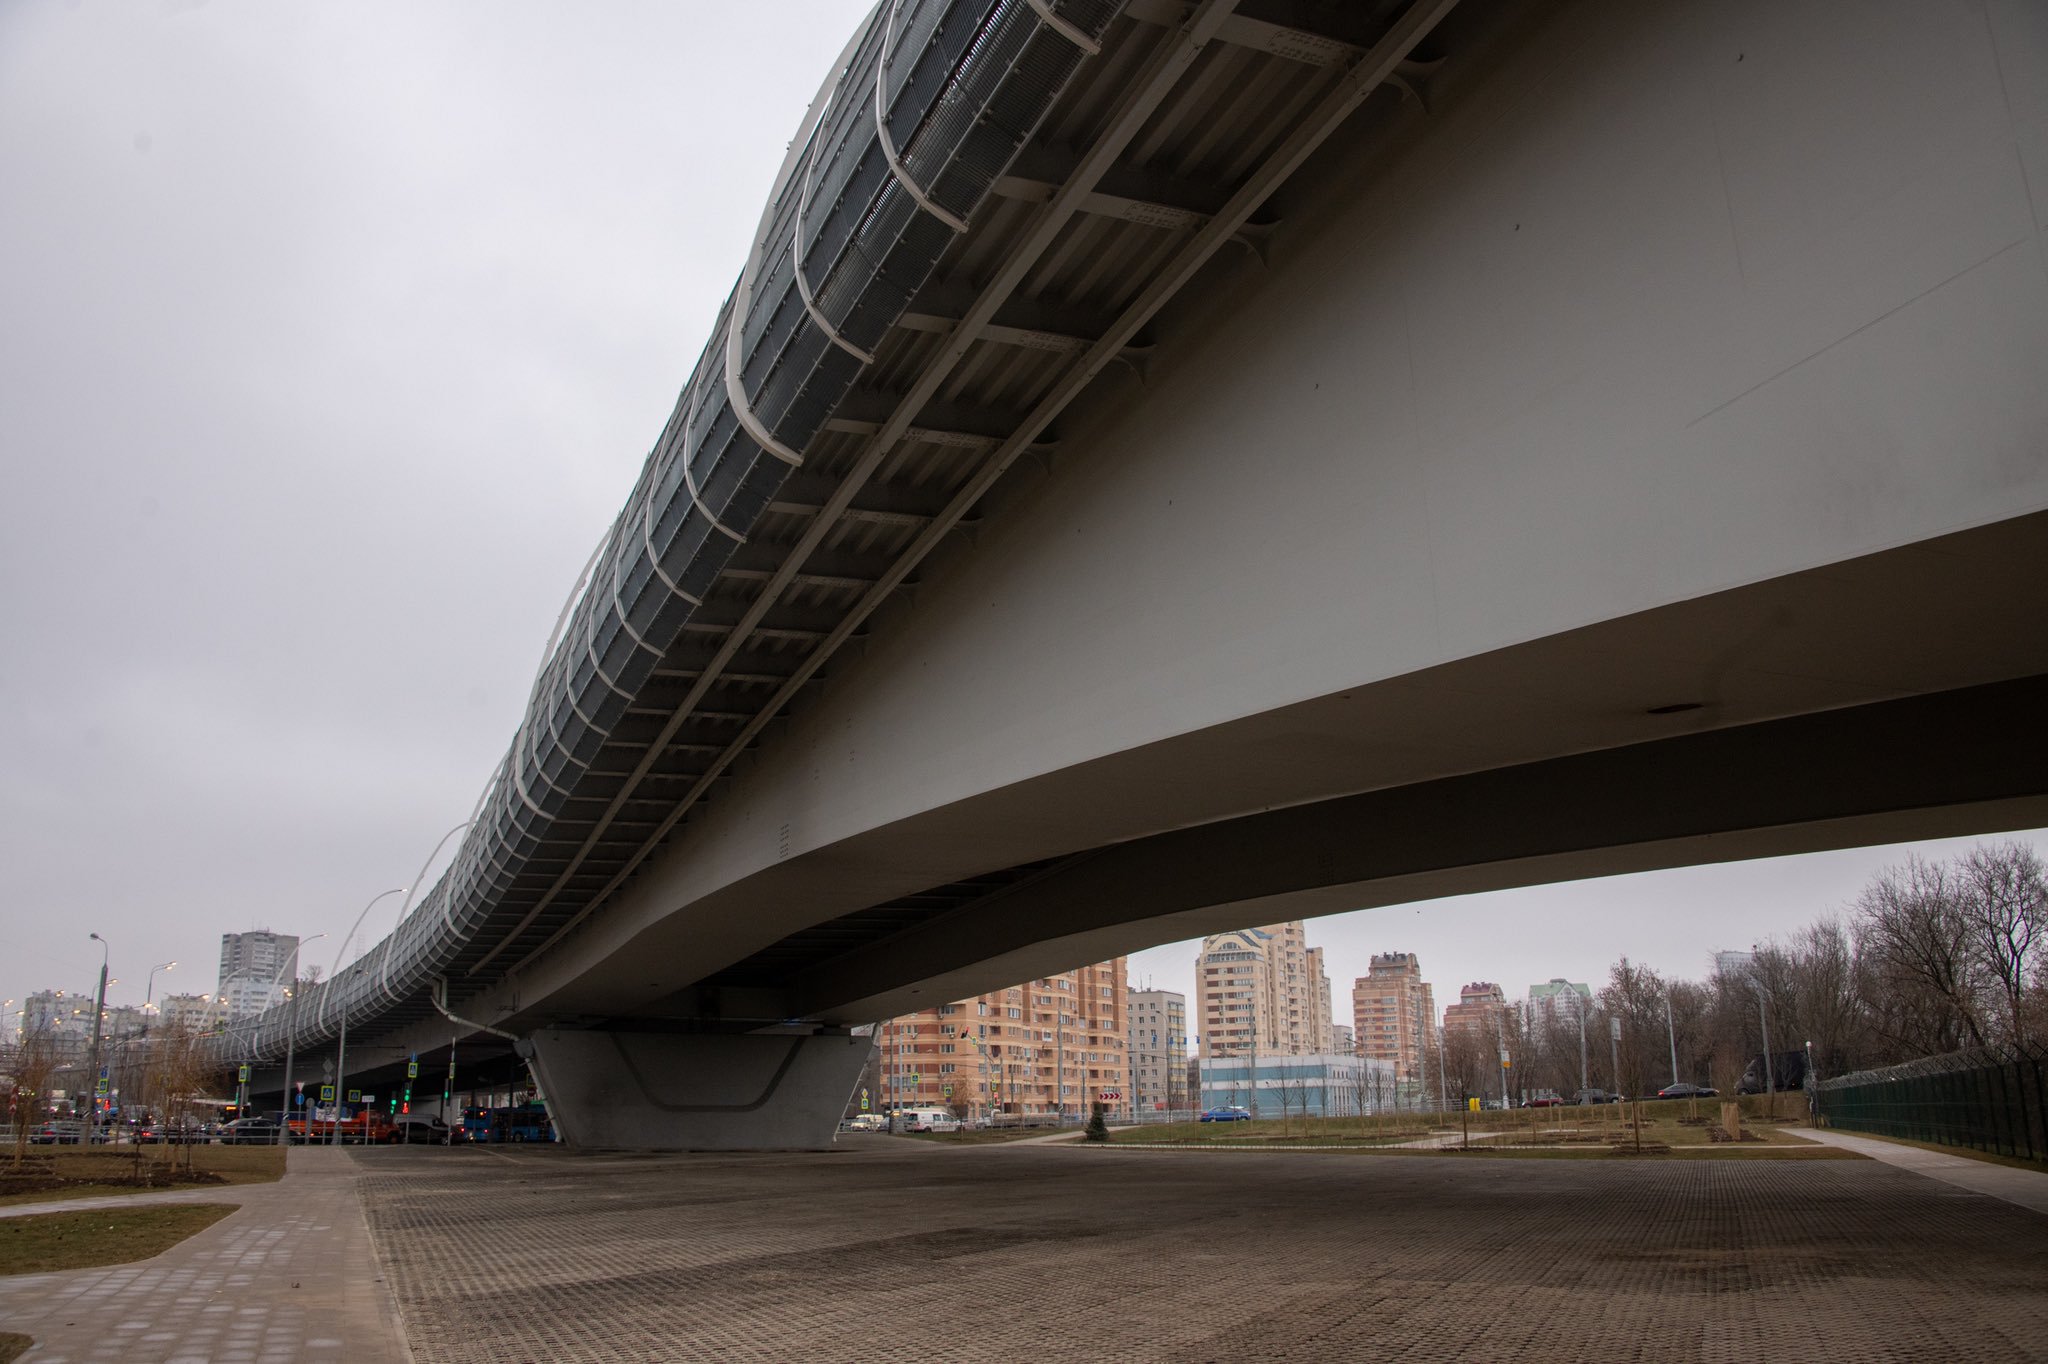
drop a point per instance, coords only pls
(1262, 989)
(1047, 1047)
(1392, 1011)
(1158, 1050)
(251, 969)
(1481, 1012)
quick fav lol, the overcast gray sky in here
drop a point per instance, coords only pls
(331, 337)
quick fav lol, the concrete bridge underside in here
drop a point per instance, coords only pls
(1639, 460)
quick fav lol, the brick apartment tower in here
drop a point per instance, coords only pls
(1392, 1011)
(1481, 1011)
(1265, 985)
(1032, 1050)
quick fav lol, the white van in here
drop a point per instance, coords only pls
(926, 1120)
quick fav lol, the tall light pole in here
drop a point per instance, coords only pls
(291, 1037)
(1671, 1029)
(341, 1062)
(99, 1010)
(1585, 1081)
(149, 995)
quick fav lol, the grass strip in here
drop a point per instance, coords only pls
(47, 1242)
(98, 1172)
(13, 1346)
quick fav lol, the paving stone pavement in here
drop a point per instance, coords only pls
(2028, 1188)
(289, 1277)
(888, 1247)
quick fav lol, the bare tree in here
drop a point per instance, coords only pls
(1635, 995)
(1923, 976)
(30, 1064)
(2005, 903)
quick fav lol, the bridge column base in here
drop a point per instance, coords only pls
(696, 1092)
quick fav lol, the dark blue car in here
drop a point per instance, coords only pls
(1228, 1113)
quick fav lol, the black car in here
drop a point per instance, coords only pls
(1682, 1090)
(418, 1129)
(249, 1132)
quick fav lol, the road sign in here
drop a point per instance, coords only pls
(242, 1075)
(949, 1091)
(369, 1099)
(327, 1094)
(300, 1097)
(412, 1070)
(1110, 1096)
(863, 1099)
(299, 1085)
(327, 1067)
(355, 1096)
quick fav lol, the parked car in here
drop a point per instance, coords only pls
(1544, 1098)
(863, 1122)
(249, 1132)
(1227, 1113)
(1682, 1090)
(174, 1133)
(420, 1129)
(1595, 1096)
(58, 1132)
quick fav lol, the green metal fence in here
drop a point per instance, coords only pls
(1987, 1100)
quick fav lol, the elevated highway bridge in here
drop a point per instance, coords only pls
(1172, 465)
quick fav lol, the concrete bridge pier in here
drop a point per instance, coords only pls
(696, 1091)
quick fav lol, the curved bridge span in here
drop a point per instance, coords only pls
(1166, 466)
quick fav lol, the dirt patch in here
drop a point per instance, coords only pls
(62, 1186)
(13, 1346)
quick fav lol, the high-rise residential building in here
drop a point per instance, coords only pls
(259, 953)
(1343, 1039)
(55, 1013)
(1734, 963)
(1392, 1012)
(1558, 1002)
(1264, 988)
(252, 967)
(189, 1013)
(1050, 1046)
(1158, 1050)
(1481, 1012)
(124, 1020)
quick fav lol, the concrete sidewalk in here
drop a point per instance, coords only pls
(291, 1276)
(2027, 1188)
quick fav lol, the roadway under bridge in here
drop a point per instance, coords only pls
(1318, 456)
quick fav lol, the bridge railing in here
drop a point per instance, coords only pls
(928, 105)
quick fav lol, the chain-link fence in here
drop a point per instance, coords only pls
(1988, 1099)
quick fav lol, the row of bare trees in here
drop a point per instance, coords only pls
(165, 1072)
(1933, 957)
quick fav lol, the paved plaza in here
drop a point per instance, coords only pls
(289, 1278)
(894, 1249)
(1031, 1251)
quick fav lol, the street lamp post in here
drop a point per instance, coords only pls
(341, 1061)
(1585, 1081)
(1770, 1075)
(1671, 1029)
(291, 1037)
(99, 1010)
